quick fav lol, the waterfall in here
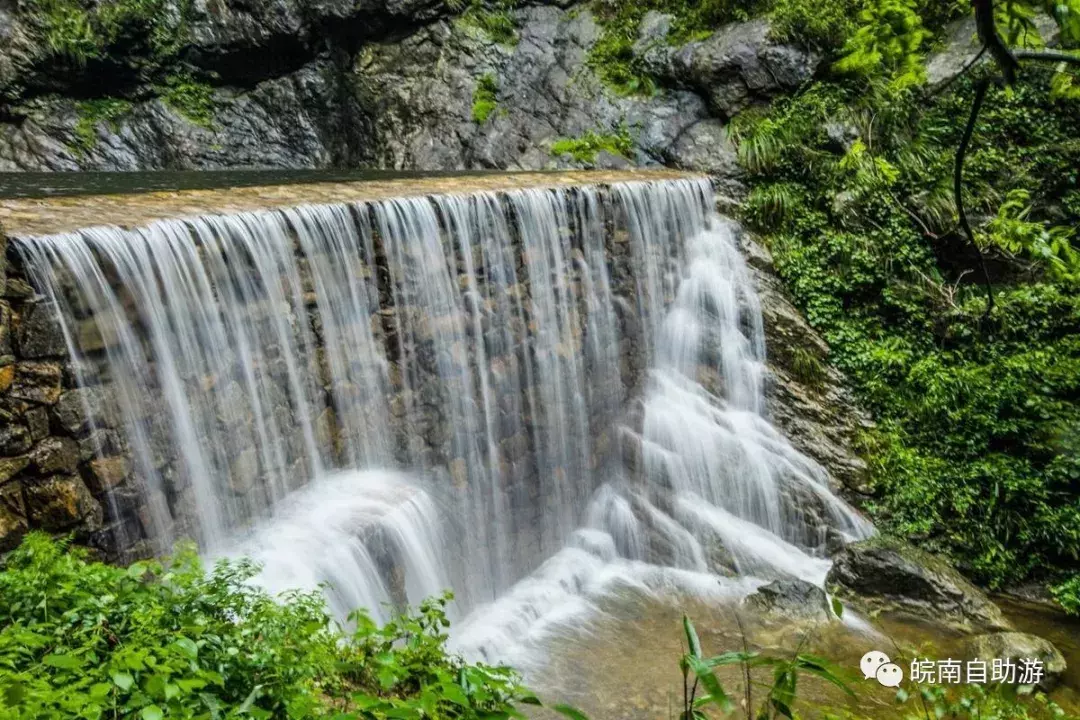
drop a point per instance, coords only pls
(529, 396)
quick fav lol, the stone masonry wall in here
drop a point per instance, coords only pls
(66, 472)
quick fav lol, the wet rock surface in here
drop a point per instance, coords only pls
(1020, 647)
(882, 574)
(790, 599)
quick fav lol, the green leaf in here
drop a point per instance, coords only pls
(455, 694)
(151, 712)
(122, 680)
(704, 673)
(570, 712)
(692, 641)
(187, 646)
(837, 608)
(64, 662)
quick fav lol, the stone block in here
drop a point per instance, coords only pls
(13, 524)
(10, 467)
(107, 472)
(62, 502)
(55, 455)
(40, 333)
(37, 382)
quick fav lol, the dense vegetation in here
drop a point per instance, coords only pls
(81, 639)
(852, 180)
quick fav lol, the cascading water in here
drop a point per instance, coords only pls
(530, 397)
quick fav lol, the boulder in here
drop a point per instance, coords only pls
(735, 67)
(883, 574)
(790, 599)
(1017, 647)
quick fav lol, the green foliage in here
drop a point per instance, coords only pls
(887, 42)
(81, 639)
(494, 23)
(780, 696)
(80, 31)
(92, 112)
(976, 702)
(189, 97)
(485, 100)
(1012, 231)
(584, 149)
(1068, 594)
(973, 452)
(824, 25)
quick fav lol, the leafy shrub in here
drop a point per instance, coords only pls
(190, 97)
(484, 99)
(972, 454)
(494, 23)
(1068, 594)
(81, 31)
(825, 25)
(585, 148)
(92, 112)
(888, 39)
(88, 640)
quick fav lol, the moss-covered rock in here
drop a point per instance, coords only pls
(886, 575)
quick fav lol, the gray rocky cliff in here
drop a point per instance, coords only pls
(380, 84)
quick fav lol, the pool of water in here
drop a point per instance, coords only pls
(625, 663)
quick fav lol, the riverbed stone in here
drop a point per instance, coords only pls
(1017, 647)
(887, 575)
(790, 598)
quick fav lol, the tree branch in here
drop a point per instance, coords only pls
(986, 25)
(958, 187)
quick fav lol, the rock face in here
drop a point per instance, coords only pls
(790, 599)
(808, 398)
(1017, 647)
(388, 83)
(735, 67)
(885, 575)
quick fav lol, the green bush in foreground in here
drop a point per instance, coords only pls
(81, 639)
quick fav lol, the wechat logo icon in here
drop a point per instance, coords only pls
(876, 665)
